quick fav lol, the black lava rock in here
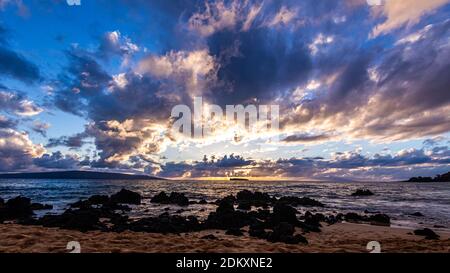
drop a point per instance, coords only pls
(284, 233)
(380, 220)
(225, 206)
(38, 206)
(234, 232)
(161, 198)
(428, 233)
(209, 237)
(81, 220)
(354, 217)
(257, 199)
(371, 211)
(362, 192)
(179, 199)
(311, 219)
(16, 208)
(258, 233)
(166, 223)
(283, 213)
(174, 198)
(417, 214)
(297, 201)
(99, 199)
(226, 221)
(230, 199)
(126, 197)
(226, 217)
(261, 214)
(243, 205)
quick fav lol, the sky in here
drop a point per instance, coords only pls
(363, 87)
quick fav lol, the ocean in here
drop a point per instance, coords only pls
(397, 199)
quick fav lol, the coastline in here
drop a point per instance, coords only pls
(337, 238)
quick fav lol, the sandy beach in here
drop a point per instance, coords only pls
(342, 237)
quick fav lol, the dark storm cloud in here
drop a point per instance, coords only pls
(235, 165)
(434, 141)
(13, 64)
(6, 122)
(175, 169)
(351, 83)
(413, 82)
(229, 161)
(88, 90)
(300, 138)
(443, 151)
(75, 141)
(258, 63)
(164, 19)
(253, 63)
(56, 161)
(111, 139)
(378, 88)
(40, 127)
(141, 98)
(16, 103)
(83, 80)
(87, 75)
(421, 64)
(16, 150)
(115, 44)
(108, 103)
(222, 166)
(404, 158)
(11, 160)
(343, 164)
(397, 91)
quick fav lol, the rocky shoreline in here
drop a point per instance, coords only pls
(260, 215)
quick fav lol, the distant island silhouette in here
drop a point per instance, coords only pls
(76, 175)
(238, 179)
(439, 178)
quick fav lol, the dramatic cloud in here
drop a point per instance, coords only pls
(75, 141)
(399, 96)
(13, 64)
(302, 138)
(114, 43)
(336, 77)
(17, 104)
(40, 127)
(129, 112)
(16, 150)
(231, 165)
(341, 166)
(6, 122)
(188, 70)
(56, 161)
(401, 13)
(257, 64)
(85, 79)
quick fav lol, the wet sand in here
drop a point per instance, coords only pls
(342, 237)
